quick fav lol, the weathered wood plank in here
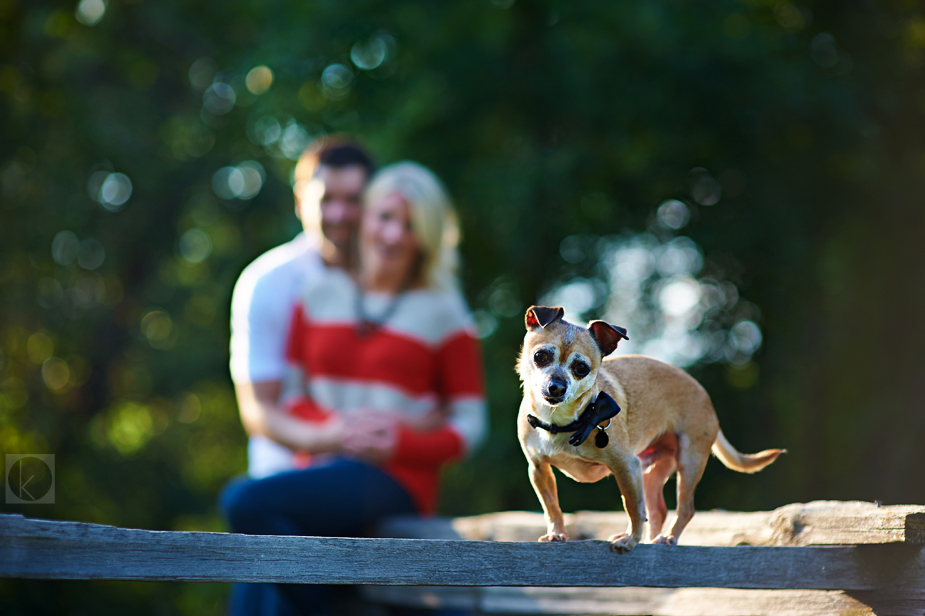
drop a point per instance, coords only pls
(72, 550)
(654, 601)
(837, 523)
(816, 523)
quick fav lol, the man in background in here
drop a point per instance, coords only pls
(328, 186)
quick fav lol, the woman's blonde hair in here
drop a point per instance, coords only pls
(433, 219)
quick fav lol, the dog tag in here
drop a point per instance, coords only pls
(601, 439)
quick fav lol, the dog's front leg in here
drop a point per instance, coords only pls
(628, 473)
(544, 483)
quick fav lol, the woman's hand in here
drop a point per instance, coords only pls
(373, 435)
(314, 437)
(370, 436)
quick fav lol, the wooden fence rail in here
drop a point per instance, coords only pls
(798, 524)
(882, 572)
(821, 523)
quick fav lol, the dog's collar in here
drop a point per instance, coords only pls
(599, 410)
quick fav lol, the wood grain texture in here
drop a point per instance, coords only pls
(72, 550)
(815, 523)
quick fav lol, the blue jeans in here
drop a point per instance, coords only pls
(339, 498)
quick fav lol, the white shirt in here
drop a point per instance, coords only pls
(261, 311)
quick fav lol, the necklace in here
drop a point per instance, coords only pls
(366, 323)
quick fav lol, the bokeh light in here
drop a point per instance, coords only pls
(745, 336)
(228, 182)
(673, 214)
(705, 190)
(677, 297)
(485, 323)
(336, 80)
(219, 98)
(39, 347)
(679, 256)
(264, 130)
(572, 249)
(195, 245)
(370, 54)
(190, 408)
(242, 181)
(259, 79)
(159, 329)
(579, 294)
(55, 373)
(655, 288)
(88, 291)
(90, 12)
(294, 140)
(111, 190)
(90, 254)
(128, 427)
(64, 248)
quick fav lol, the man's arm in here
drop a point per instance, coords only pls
(261, 311)
(262, 415)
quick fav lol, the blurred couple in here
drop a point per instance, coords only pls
(354, 360)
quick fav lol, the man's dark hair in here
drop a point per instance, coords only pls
(346, 155)
(333, 151)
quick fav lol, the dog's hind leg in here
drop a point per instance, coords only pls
(691, 463)
(653, 481)
(659, 461)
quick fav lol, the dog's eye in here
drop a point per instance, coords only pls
(581, 369)
(541, 358)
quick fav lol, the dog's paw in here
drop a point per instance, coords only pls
(554, 537)
(663, 540)
(622, 543)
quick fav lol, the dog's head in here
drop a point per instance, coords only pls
(559, 360)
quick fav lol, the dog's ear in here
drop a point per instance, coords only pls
(606, 336)
(541, 316)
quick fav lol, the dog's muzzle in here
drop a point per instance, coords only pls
(555, 389)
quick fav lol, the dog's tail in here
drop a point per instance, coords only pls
(743, 462)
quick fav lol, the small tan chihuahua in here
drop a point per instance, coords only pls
(651, 419)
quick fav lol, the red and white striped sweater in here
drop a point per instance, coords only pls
(423, 357)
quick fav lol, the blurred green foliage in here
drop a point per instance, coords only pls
(548, 120)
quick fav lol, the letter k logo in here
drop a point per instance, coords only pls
(22, 486)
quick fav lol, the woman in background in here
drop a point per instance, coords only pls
(386, 378)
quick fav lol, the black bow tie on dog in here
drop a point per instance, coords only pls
(602, 409)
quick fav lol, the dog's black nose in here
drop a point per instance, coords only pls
(556, 388)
